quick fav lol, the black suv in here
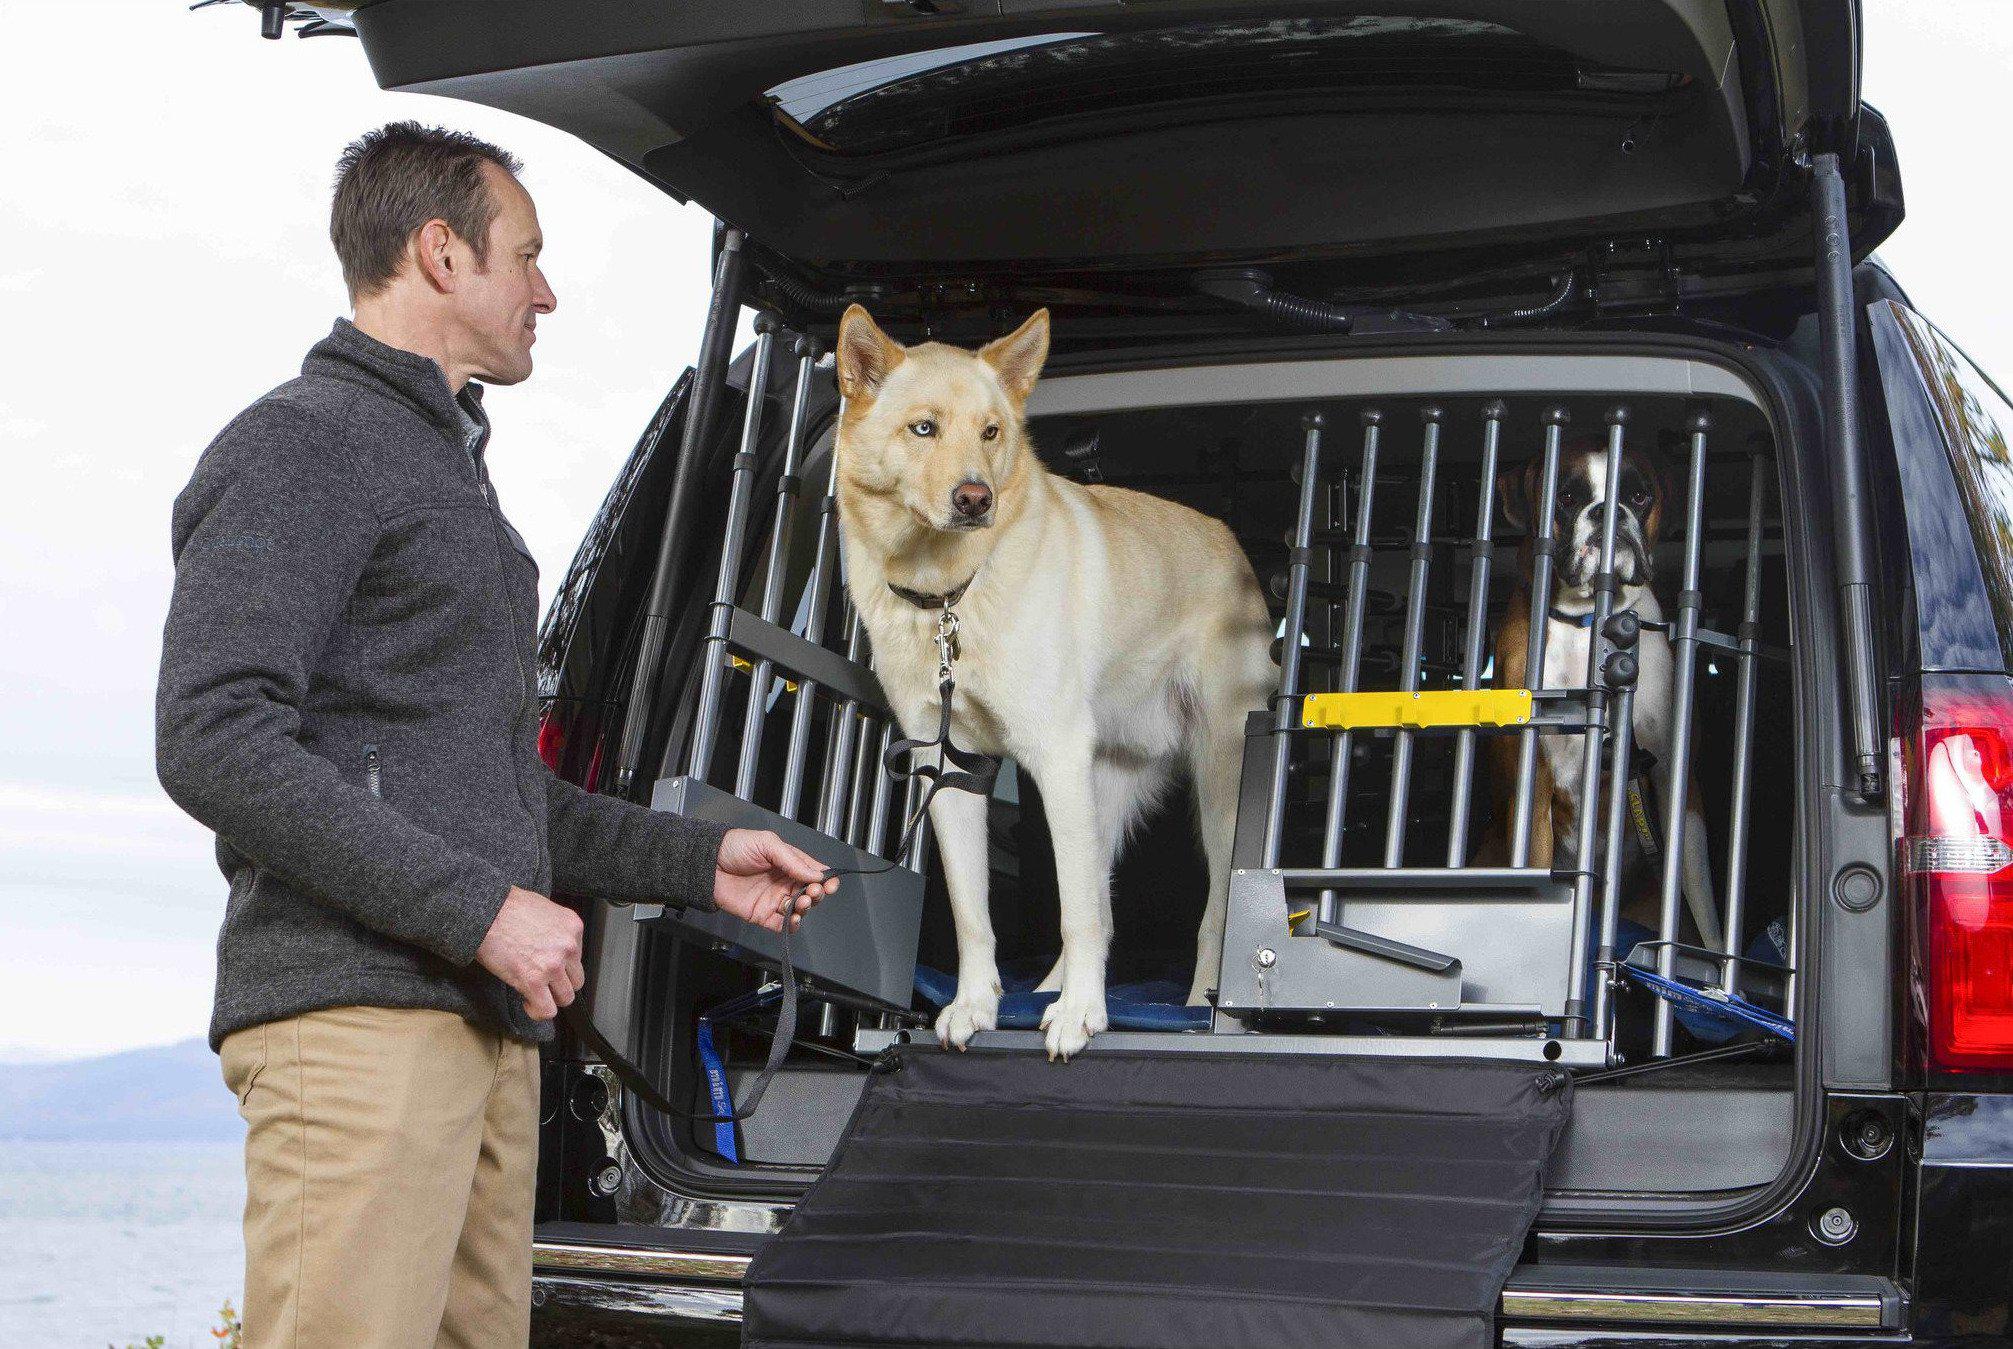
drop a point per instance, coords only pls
(1513, 212)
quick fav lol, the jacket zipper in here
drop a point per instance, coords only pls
(488, 493)
(373, 771)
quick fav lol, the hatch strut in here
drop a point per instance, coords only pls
(668, 582)
(1837, 327)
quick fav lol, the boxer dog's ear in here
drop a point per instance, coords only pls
(1517, 489)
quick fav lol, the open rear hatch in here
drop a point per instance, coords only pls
(1472, 162)
(943, 156)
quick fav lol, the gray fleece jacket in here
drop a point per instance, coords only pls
(348, 697)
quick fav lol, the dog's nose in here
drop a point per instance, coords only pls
(972, 499)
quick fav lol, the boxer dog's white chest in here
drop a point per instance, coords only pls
(1566, 650)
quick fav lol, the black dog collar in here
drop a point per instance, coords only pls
(1586, 620)
(943, 601)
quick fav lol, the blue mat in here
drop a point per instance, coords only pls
(1156, 1004)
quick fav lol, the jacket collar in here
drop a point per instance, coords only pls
(348, 353)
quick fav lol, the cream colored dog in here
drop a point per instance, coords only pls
(1106, 637)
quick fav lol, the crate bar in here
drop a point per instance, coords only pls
(667, 580)
(839, 754)
(1293, 631)
(1542, 543)
(877, 826)
(1352, 656)
(1415, 624)
(1684, 675)
(740, 503)
(787, 487)
(1837, 345)
(1478, 623)
(1605, 972)
(1597, 705)
(863, 765)
(824, 565)
(1743, 733)
(919, 845)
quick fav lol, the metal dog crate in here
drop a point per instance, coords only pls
(1342, 919)
(1358, 920)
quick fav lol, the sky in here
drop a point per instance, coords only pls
(164, 182)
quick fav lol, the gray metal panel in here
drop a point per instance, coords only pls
(1384, 376)
(1514, 948)
(861, 939)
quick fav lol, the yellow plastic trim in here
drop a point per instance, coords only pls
(1433, 707)
(741, 663)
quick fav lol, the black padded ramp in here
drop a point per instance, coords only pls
(1149, 1199)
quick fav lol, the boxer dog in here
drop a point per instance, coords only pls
(1582, 494)
(1107, 639)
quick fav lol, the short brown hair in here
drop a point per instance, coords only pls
(391, 181)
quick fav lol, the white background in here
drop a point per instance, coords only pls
(164, 259)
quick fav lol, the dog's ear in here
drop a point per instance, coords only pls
(1018, 357)
(866, 356)
(1516, 488)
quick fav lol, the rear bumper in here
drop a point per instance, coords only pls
(695, 1297)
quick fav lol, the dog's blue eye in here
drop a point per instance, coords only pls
(923, 427)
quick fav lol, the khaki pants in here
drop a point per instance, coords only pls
(390, 1160)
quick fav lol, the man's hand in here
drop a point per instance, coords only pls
(759, 878)
(534, 946)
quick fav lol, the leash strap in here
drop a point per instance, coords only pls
(634, 1079)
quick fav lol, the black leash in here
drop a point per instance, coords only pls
(974, 773)
(636, 1080)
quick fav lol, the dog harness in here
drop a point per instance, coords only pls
(958, 770)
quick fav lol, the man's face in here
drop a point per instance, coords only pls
(497, 306)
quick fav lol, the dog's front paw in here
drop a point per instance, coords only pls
(972, 1011)
(1070, 1022)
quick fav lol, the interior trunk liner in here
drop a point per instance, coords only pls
(1135, 1199)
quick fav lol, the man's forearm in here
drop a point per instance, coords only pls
(611, 849)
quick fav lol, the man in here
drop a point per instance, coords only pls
(348, 698)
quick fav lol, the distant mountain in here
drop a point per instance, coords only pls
(168, 1093)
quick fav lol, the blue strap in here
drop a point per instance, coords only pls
(718, 1092)
(1720, 1006)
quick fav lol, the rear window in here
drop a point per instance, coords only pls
(1044, 85)
(1976, 420)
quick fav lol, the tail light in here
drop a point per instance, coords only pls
(558, 726)
(552, 737)
(1957, 854)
